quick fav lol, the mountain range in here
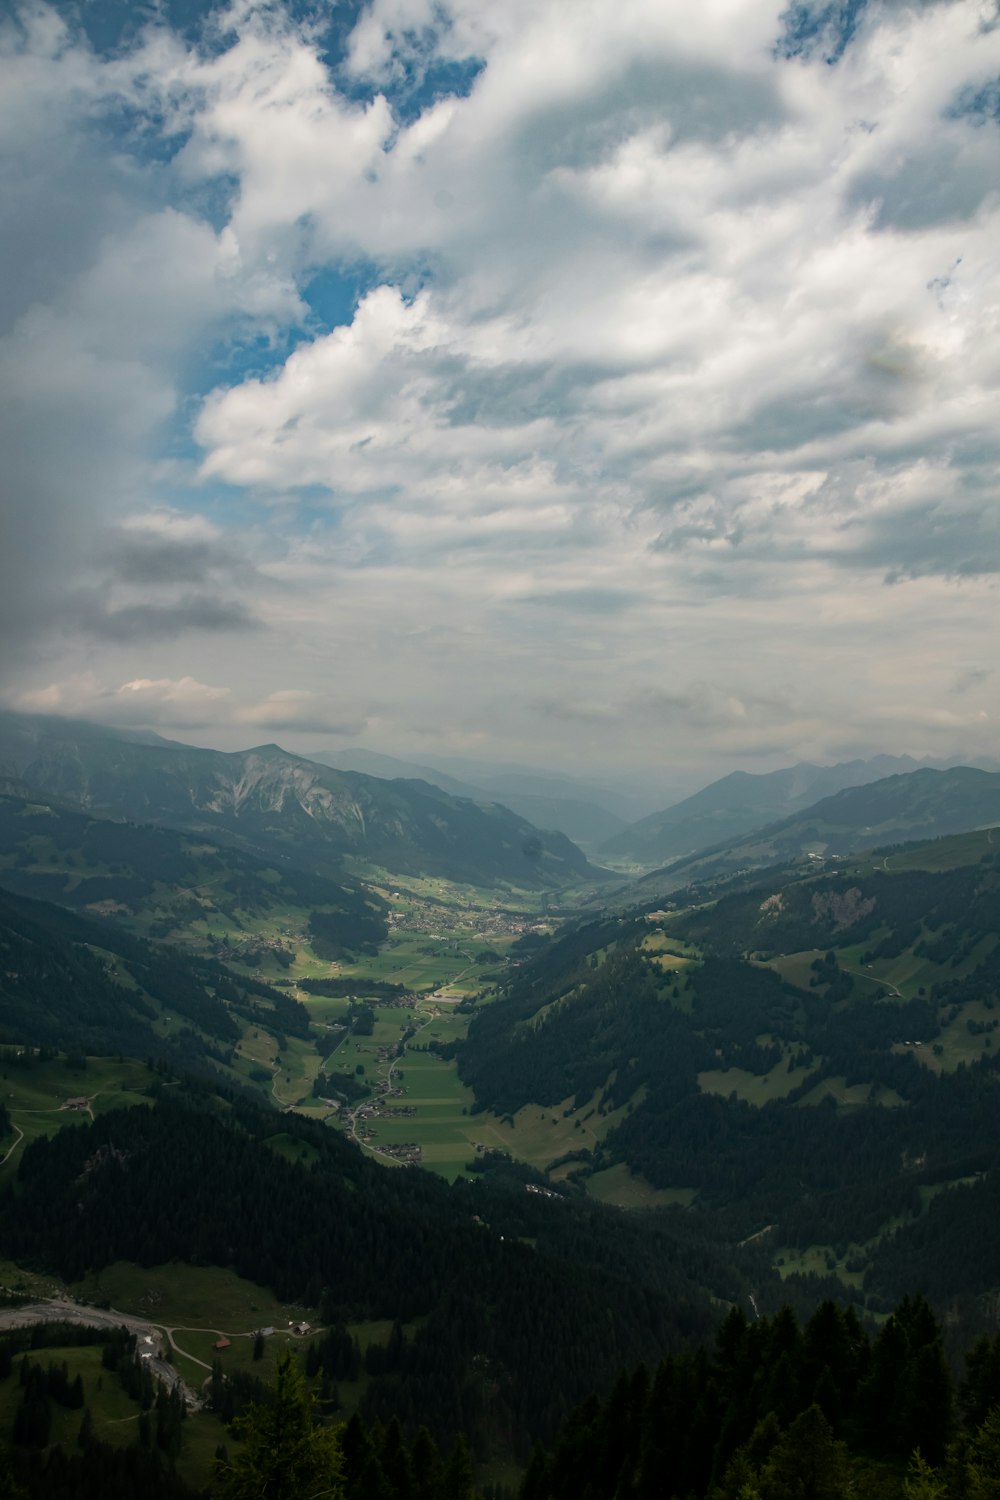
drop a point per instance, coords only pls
(741, 802)
(589, 815)
(282, 806)
(923, 804)
(791, 1065)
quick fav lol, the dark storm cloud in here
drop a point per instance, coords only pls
(975, 677)
(152, 558)
(152, 622)
(926, 539)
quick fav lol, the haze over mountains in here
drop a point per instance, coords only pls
(741, 802)
(510, 826)
(922, 804)
(587, 814)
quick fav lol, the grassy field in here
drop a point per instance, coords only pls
(956, 1043)
(816, 1260)
(757, 1089)
(853, 1095)
(627, 1189)
(181, 1295)
(35, 1097)
(115, 1415)
(670, 953)
(948, 853)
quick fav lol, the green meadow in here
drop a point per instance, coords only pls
(753, 1088)
(35, 1097)
(627, 1189)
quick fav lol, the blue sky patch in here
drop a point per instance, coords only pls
(827, 29)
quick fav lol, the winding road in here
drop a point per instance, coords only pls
(57, 1310)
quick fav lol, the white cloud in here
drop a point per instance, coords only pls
(671, 352)
(186, 703)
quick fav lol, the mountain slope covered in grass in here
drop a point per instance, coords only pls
(811, 1056)
(68, 982)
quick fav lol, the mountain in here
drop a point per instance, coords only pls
(283, 806)
(812, 1057)
(389, 768)
(544, 801)
(69, 982)
(918, 805)
(630, 798)
(739, 804)
(509, 1306)
(164, 884)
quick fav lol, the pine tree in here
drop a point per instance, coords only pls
(808, 1464)
(284, 1456)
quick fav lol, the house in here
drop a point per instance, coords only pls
(222, 1343)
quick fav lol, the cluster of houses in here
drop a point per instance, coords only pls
(406, 1151)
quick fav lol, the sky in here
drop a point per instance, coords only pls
(608, 385)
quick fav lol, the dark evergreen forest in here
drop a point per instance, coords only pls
(505, 1287)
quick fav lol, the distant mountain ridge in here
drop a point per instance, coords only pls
(741, 802)
(270, 801)
(555, 802)
(924, 804)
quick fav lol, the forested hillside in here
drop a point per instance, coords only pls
(516, 1303)
(68, 982)
(924, 804)
(161, 882)
(741, 802)
(811, 1059)
(766, 1410)
(777, 1410)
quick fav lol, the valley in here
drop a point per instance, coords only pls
(776, 1084)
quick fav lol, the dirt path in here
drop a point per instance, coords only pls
(58, 1310)
(758, 1236)
(860, 973)
(12, 1149)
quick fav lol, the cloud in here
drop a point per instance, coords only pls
(151, 622)
(296, 709)
(186, 703)
(662, 345)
